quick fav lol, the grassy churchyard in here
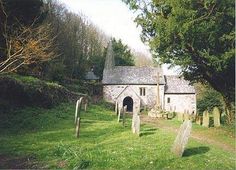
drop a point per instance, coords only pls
(45, 138)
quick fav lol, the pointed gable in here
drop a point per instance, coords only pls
(110, 60)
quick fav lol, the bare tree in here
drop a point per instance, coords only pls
(25, 45)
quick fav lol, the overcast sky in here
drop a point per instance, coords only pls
(115, 19)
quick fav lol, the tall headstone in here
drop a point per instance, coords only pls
(119, 113)
(198, 120)
(85, 104)
(205, 121)
(158, 92)
(136, 123)
(77, 129)
(182, 138)
(193, 116)
(216, 114)
(123, 115)
(77, 109)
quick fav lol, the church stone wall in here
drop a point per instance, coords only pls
(110, 92)
(183, 103)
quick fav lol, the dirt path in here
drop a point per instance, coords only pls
(195, 135)
(10, 162)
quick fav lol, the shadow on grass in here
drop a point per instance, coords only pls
(195, 151)
(26, 162)
(84, 164)
(148, 131)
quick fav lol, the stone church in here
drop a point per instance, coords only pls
(146, 87)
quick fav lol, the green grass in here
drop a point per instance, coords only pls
(30, 80)
(48, 135)
(225, 134)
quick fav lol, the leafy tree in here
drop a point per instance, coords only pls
(122, 54)
(80, 43)
(208, 100)
(196, 35)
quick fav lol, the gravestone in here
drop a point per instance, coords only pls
(85, 104)
(180, 116)
(181, 139)
(198, 120)
(205, 121)
(77, 129)
(119, 113)
(136, 123)
(123, 115)
(216, 114)
(77, 109)
(193, 116)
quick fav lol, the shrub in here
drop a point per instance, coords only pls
(18, 91)
(208, 101)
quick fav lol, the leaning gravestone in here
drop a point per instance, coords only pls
(77, 127)
(77, 109)
(136, 123)
(216, 114)
(182, 138)
(205, 121)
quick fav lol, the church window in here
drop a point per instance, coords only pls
(168, 100)
(142, 91)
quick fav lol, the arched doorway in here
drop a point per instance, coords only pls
(129, 102)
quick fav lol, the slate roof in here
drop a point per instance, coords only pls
(91, 76)
(174, 85)
(132, 75)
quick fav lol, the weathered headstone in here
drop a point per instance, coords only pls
(216, 114)
(136, 123)
(182, 138)
(77, 109)
(205, 121)
(193, 116)
(85, 104)
(77, 129)
(198, 120)
(119, 113)
(123, 114)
